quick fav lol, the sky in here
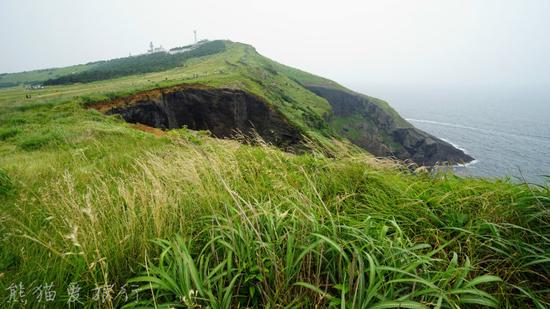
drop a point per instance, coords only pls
(450, 42)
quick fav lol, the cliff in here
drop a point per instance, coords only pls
(370, 126)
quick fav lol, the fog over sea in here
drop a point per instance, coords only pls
(505, 128)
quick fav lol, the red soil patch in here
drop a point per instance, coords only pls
(104, 106)
(144, 128)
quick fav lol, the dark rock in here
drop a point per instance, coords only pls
(425, 149)
(382, 132)
(226, 113)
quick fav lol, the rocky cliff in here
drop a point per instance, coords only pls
(226, 113)
(382, 132)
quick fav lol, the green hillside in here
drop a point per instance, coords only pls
(39, 76)
(304, 99)
(175, 217)
(154, 62)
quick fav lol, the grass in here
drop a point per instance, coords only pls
(39, 76)
(199, 221)
(180, 219)
(154, 62)
(356, 237)
(238, 67)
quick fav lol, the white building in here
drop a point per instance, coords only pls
(152, 49)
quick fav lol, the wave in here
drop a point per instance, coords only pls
(454, 145)
(464, 150)
(490, 131)
(446, 124)
(466, 164)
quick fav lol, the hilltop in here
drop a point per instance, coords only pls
(224, 179)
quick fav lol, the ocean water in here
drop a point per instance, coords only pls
(505, 128)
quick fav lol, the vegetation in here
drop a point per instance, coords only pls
(182, 47)
(8, 84)
(38, 76)
(180, 219)
(5, 184)
(146, 63)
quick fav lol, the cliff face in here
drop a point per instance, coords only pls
(229, 113)
(226, 113)
(382, 132)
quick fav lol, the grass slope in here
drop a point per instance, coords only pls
(188, 220)
(153, 62)
(39, 76)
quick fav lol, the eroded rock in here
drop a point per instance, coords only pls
(383, 133)
(226, 113)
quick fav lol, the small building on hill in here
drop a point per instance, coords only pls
(152, 49)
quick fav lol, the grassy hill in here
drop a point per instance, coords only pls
(180, 218)
(39, 76)
(320, 108)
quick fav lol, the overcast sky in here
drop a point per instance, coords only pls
(384, 41)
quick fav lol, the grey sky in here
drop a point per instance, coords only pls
(384, 41)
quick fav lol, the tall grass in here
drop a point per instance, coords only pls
(376, 245)
(204, 222)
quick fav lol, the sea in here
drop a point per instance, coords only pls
(505, 128)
